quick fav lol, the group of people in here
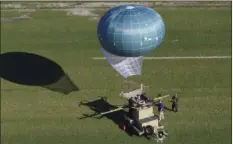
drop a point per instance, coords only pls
(161, 107)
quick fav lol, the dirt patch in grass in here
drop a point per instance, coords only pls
(11, 19)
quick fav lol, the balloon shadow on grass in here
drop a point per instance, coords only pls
(34, 70)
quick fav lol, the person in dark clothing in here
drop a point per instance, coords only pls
(175, 103)
(144, 97)
(161, 106)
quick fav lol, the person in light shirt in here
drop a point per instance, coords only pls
(161, 110)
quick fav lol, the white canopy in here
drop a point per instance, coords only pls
(126, 66)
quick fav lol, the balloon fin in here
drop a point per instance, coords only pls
(126, 66)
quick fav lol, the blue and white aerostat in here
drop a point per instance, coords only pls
(127, 33)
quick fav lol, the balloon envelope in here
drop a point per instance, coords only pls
(126, 66)
(127, 33)
(131, 30)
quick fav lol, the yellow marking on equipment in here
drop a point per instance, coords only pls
(159, 98)
(120, 108)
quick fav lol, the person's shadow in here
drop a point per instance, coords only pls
(101, 105)
(34, 70)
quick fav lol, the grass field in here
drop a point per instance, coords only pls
(35, 115)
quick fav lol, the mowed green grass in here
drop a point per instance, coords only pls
(34, 115)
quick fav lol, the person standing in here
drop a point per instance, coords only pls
(175, 103)
(161, 110)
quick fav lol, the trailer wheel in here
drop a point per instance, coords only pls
(149, 130)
